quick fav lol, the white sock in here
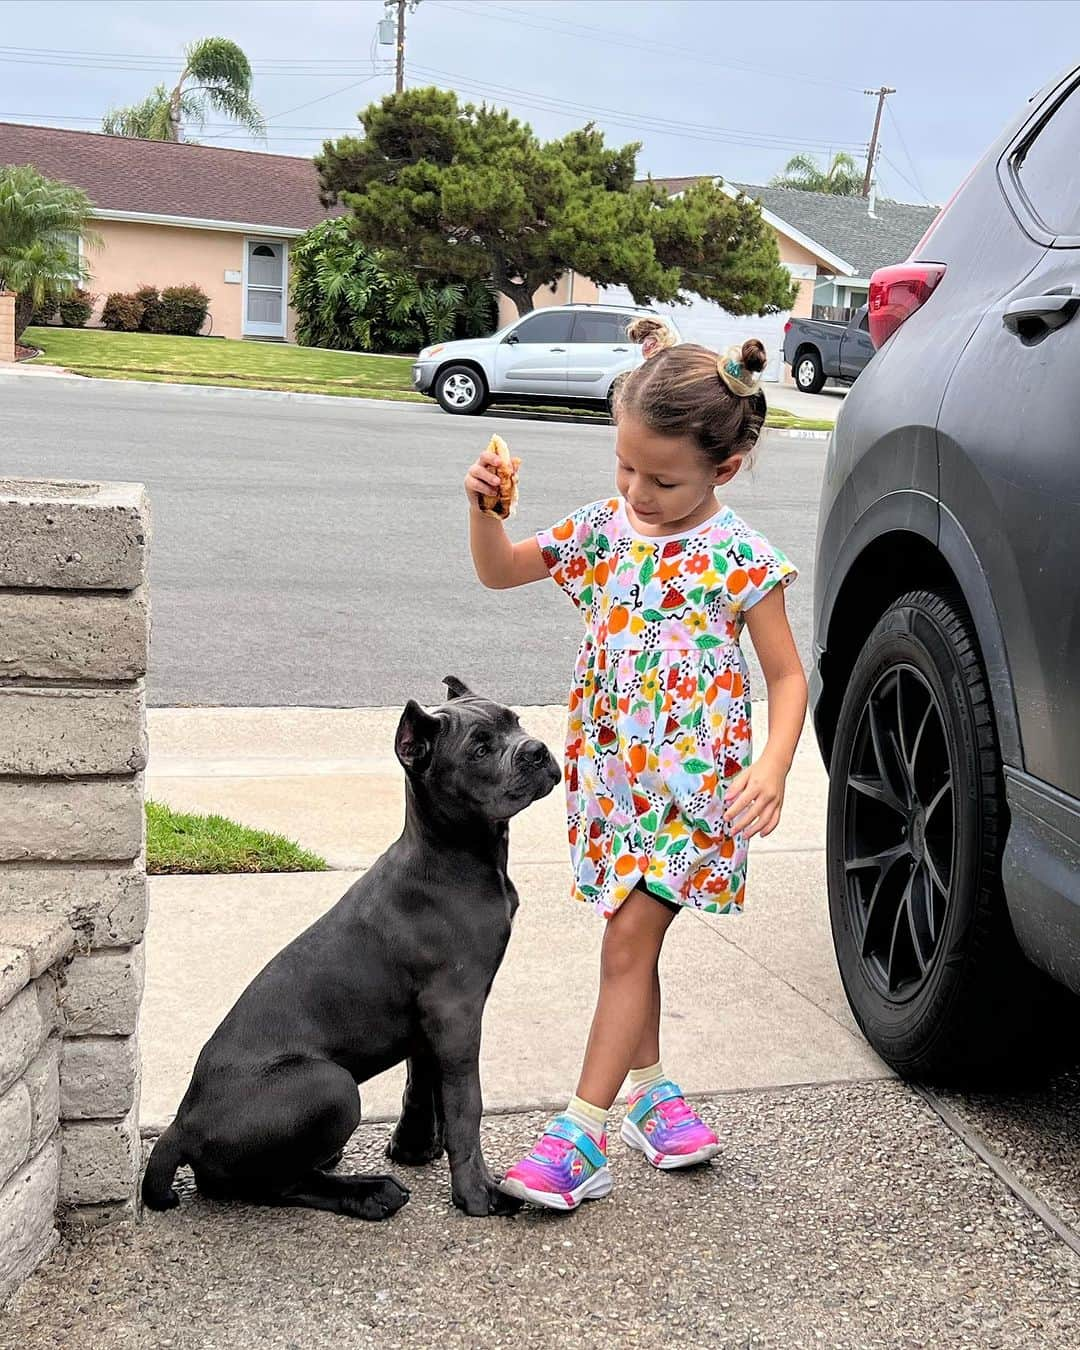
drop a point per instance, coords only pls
(643, 1079)
(592, 1119)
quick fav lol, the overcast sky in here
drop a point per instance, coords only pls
(707, 86)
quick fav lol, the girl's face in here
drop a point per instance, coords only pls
(666, 481)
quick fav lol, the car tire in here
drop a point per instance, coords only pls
(916, 822)
(808, 373)
(613, 393)
(461, 390)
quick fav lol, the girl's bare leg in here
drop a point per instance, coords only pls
(625, 1024)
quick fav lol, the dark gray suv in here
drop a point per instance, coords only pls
(946, 688)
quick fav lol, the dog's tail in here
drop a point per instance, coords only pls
(157, 1186)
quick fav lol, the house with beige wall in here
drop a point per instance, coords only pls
(830, 245)
(169, 214)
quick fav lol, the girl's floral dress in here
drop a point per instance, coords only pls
(660, 708)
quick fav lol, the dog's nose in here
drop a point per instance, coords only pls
(534, 753)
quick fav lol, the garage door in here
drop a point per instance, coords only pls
(705, 322)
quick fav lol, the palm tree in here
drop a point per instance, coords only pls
(842, 178)
(39, 220)
(216, 78)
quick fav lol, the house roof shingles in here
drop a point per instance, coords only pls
(162, 178)
(843, 225)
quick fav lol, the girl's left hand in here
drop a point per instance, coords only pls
(755, 798)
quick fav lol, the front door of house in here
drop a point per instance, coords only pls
(264, 288)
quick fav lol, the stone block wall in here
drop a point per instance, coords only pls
(32, 953)
(74, 638)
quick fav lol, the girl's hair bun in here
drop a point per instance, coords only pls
(753, 355)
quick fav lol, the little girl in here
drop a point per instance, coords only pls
(662, 796)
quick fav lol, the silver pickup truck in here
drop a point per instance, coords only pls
(818, 351)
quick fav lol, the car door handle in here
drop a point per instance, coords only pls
(558, 349)
(1035, 315)
(620, 349)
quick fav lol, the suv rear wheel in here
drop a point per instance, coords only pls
(916, 817)
(461, 389)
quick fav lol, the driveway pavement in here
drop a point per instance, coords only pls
(313, 552)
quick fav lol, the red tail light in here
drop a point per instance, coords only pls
(787, 328)
(896, 293)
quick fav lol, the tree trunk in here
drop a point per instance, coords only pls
(175, 133)
(520, 293)
(24, 312)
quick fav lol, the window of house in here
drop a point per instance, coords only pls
(73, 244)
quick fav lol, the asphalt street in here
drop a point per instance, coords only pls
(314, 553)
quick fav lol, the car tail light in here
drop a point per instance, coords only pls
(896, 293)
(787, 328)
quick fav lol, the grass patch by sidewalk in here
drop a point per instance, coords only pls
(231, 364)
(178, 844)
(252, 365)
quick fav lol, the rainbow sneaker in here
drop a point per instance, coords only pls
(565, 1167)
(671, 1135)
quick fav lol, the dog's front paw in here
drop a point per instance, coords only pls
(410, 1152)
(484, 1201)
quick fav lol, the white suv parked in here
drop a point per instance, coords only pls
(567, 354)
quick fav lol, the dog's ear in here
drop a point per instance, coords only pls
(457, 688)
(415, 737)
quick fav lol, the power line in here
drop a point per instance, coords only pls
(550, 24)
(917, 185)
(904, 178)
(631, 120)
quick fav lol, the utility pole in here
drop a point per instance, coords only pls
(881, 95)
(399, 83)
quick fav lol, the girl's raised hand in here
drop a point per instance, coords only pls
(482, 478)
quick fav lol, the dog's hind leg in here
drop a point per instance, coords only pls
(272, 1149)
(374, 1197)
(418, 1135)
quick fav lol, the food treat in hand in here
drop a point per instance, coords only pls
(502, 503)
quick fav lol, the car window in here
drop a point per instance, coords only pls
(553, 327)
(607, 328)
(1049, 168)
(864, 322)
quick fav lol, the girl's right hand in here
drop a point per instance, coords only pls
(483, 478)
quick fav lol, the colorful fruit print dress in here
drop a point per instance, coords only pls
(660, 708)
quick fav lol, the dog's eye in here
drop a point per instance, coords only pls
(479, 751)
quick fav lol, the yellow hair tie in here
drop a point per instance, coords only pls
(730, 368)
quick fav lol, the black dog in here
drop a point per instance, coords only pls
(399, 969)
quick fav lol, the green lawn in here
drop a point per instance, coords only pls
(177, 843)
(230, 364)
(252, 365)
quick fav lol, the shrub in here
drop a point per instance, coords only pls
(184, 310)
(45, 311)
(123, 313)
(153, 317)
(349, 298)
(76, 309)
